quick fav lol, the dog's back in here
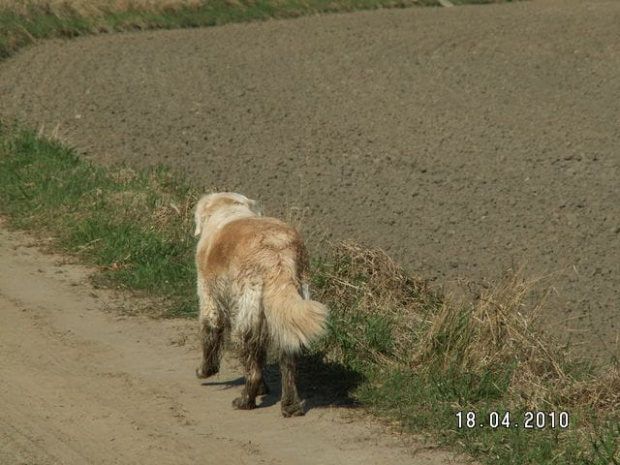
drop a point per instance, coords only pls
(260, 267)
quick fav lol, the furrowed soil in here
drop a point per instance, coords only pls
(80, 383)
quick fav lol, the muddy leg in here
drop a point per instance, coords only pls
(291, 406)
(263, 389)
(253, 356)
(211, 334)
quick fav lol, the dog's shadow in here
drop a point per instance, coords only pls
(320, 383)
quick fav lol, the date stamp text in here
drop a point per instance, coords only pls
(527, 420)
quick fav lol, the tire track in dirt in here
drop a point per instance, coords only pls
(465, 141)
(81, 385)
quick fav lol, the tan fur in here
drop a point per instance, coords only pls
(253, 276)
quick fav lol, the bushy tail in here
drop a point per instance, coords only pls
(293, 320)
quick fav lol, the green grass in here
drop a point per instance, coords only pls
(132, 226)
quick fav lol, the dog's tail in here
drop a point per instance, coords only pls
(293, 319)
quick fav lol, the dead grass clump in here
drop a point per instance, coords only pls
(61, 9)
(378, 310)
(600, 391)
(150, 199)
(124, 176)
(167, 213)
(91, 8)
(497, 333)
(372, 278)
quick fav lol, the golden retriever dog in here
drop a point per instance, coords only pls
(253, 276)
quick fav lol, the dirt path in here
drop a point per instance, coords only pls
(82, 386)
(465, 141)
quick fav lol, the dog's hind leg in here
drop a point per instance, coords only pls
(212, 326)
(291, 406)
(253, 337)
(253, 355)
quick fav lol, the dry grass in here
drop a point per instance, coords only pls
(366, 281)
(24, 22)
(429, 334)
(92, 8)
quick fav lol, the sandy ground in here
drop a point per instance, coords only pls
(465, 141)
(79, 383)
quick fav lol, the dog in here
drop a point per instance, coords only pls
(253, 279)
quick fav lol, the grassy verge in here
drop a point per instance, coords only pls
(131, 226)
(23, 22)
(436, 366)
(418, 359)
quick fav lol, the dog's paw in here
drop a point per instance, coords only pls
(204, 371)
(243, 403)
(292, 410)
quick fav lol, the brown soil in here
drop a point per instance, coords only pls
(79, 385)
(465, 141)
